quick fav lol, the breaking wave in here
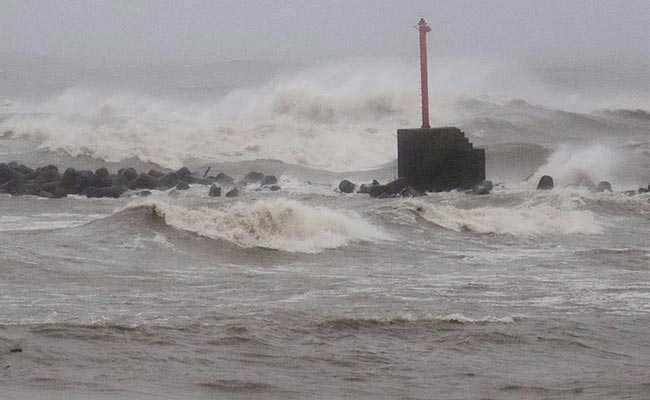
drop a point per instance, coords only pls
(530, 218)
(410, 321)
(280, 224)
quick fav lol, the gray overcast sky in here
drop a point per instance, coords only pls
(192, 30)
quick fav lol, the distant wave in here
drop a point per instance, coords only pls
(279, 224)
(410, 321)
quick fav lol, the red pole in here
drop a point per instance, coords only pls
(423, 28)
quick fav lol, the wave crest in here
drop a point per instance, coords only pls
(279, 224)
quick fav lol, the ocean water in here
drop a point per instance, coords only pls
(309, 293)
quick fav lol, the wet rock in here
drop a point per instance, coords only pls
(144, 193)
(269, 180)
(482, 188)
(102, 173)
(53, 190)
(48, 173)
(144, 181)
(16, 350)
(169, 180)
(85, 179)
(224, 179)
(182, 185)
(365, 188)
(346, 186)
(604, 186)
(155, 173)
(6, 173)
(391, 189)
(253, 177)
(20, 168)
(183, 173)
(545, 183)
(234, 192)
(215, 191)
(643, 190)
(113, 191)
(69, 179)
(129, 174)
(274, 188)
(630, 192)
(14, 187)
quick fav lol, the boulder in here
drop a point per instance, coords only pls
(129, 174)
(269, 180)
(54, 189)
(144, 193)
(224, 179)
(274, 188)
(604, 186)
(155, 173)
(215, 191)
(46, 174)
(20, 168)
(113, 191)
(169, 180)
(6, 173)
(144, 181)
(182, 185)
(234, 192)
(643, 190)
(484, 187)
(253, 177)
(365, 188)
(69, 179)
(85, 179)
(102, 173)
(14, 187)
(545, 183)
(346, 186)
(391, 189)
(183, 173)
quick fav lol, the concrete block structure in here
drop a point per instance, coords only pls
(438, 159)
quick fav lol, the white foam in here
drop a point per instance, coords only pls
(526, 219)
(280, 224)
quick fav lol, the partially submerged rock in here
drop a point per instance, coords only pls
(398, 187)
(346, 186)
(215, 191)
(604, 186)
(234, 192)
(482, 188)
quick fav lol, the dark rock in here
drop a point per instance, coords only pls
(14, 187)
(234, 192)
(346, 186)
(155, 173)
(253, 177)
(274, 188)
(6, 173)
(113, 191)
(54, 189)
(391, 189)
(169, 180)
(129, 174)
(269, 180)
(182, 186)
(48, 173)
(102, 173)
(545, 183)
(224, 179)
(69, 179)
(22, 169)
(215, 191)
(183, 172)
(85, 179)
(144, 181)
(144, 193)
(16, 350)
(484, 187)
(630, 192)
(643, 190)
(604, 186)
(365, 188)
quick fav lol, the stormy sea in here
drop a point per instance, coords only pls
(306, 292)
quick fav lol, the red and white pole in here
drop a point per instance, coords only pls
(424, 28)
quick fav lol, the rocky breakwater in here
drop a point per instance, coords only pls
(49, 182)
